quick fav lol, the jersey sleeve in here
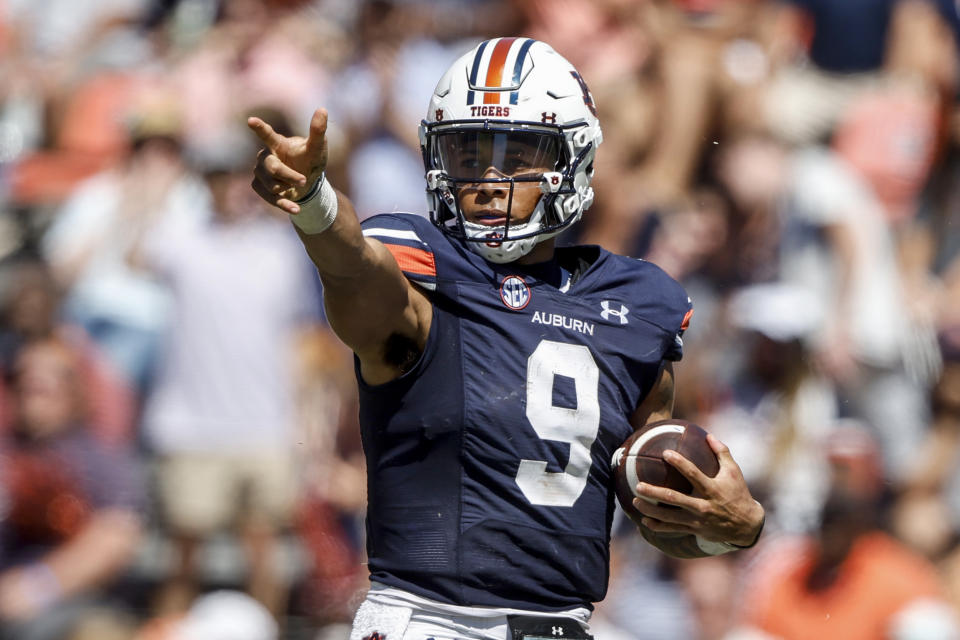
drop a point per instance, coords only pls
(401, 235)
(674, 351)
(669, 307)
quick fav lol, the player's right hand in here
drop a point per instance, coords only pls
(289, 166)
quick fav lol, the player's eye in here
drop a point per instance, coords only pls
(468, 162)
(515, 163)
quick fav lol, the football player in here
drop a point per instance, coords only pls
(497, 372)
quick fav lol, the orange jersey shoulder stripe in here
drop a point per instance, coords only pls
(411, 260)
(686, 320)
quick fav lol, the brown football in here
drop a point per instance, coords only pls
(640, 459)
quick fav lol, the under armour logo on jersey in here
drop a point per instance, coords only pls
(376, 635)
(548, 117)
(609, 312)
(556, 631)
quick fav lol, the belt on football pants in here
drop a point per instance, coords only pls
(545, 628)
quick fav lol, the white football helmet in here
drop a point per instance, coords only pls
(510, 114)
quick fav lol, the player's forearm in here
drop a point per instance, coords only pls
(686, 546)
(339, 252)
(366, 296)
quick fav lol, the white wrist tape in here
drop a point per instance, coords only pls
(717, 548)
(714, 548)
(318, 209)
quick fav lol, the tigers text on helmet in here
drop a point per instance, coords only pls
(510, 115)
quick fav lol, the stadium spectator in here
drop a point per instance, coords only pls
(707, 55)
(219, 615)
(850, 581)
(776, 408)
(250, 50)
(927, 514)
(465, 522)
(641, 573)
(876, 79)
(856, 48)
(827, 234)
(331, 511)
(123, 311)
(687, 77)
(73, 515)
(694, 243)
(941, 479)
(685, 240)
(221, 416)
(712, 590)
(388, 153)
(31, 312)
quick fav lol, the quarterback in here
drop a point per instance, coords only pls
(497, 372)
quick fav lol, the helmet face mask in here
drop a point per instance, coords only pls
(532, 157)
(466, 153)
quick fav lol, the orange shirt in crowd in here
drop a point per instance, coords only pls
(877, 580)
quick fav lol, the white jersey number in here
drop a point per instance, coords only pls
(578, 427)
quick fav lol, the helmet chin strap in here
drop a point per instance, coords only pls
(504, 251)
(507, 250)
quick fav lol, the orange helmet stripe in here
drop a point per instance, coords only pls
(495, 69)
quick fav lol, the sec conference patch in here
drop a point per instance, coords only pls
(514, 293)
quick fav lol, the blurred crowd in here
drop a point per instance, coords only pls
(179, 449)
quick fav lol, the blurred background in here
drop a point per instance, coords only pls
(179, 449)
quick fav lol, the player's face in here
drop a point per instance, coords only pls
(493, 156)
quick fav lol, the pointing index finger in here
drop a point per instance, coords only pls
(265, 132)
(318, 130)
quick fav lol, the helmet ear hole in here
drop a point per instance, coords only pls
(571, 204)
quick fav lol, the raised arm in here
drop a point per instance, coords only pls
(371, 306)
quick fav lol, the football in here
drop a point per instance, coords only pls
(640, 459)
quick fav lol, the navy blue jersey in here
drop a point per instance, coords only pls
(489, 462)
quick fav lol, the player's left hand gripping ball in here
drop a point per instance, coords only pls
(701, 493)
